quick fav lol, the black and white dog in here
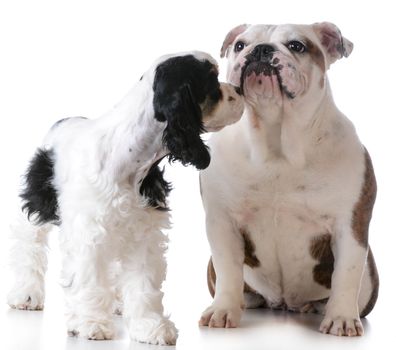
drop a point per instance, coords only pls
(99, 180)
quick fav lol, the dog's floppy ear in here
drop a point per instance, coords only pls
(334, 43)
(230, 37)
(184, 124)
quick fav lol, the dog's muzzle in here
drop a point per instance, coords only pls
(260, 61)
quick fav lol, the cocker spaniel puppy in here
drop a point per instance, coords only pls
(100, 181)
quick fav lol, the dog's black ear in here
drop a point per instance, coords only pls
(178, 107)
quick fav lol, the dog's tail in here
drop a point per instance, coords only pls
(39, 196)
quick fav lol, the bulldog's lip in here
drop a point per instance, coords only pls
(267, 68)
(257, 67)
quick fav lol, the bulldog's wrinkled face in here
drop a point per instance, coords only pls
(282, 62)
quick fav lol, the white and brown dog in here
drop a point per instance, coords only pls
(99, 180)
(290, 190)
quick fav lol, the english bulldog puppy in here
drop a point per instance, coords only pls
(290, 189)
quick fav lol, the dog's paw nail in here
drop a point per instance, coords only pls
(341, 326)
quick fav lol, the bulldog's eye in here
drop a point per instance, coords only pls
(239, 46)
(296, 46)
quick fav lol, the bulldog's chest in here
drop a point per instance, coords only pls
(282, 194)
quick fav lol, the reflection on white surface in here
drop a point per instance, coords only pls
(260, 329)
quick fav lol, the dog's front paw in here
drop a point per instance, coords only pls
(26, 298)
(342, 326)
(91, 330)
(221, 317)
(155, 331)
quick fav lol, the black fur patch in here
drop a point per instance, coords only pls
(39, 195)
(181, 84)
(155, 188)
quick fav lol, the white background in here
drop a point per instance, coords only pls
(72, 58)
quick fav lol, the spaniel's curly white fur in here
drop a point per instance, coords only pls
(99, 181)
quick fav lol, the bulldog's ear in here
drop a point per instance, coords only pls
(184, 126)
(334, 43)
(230, 37)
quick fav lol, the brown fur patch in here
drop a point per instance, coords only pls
(320, 250)
(318, 58)
(250, 257)
(375, 284)
(364, 206)
(211, 279)
(254, 119)
(317, 55)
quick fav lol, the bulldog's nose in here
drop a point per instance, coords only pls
(262, 52)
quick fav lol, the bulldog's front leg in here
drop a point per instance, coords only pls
(342, 312)
(227, 255)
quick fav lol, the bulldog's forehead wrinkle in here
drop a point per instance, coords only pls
(296, 37)
(290, 32)
(255, 33)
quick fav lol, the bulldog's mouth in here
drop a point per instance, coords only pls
(266, 68)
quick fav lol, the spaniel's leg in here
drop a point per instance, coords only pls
(29, 264)
(115, 283)
(143, 271)
(89, 298)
